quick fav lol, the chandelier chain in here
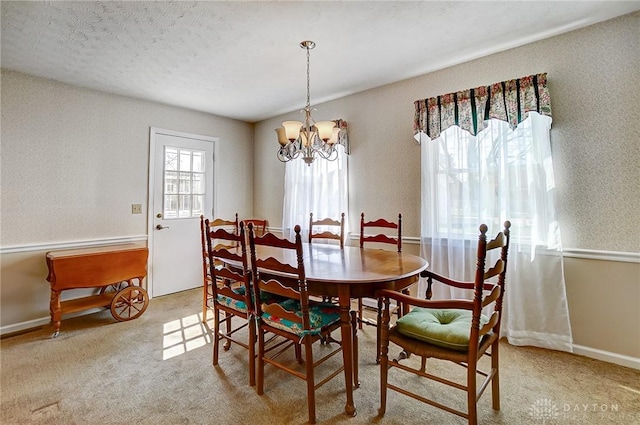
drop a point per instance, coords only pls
(308, 80)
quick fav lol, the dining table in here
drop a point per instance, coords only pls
(347, 273)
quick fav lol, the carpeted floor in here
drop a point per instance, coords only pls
(157, 370)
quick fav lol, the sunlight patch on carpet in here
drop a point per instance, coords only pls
(183, 335)
(633, 390)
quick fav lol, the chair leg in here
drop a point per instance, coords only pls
(216, 335)
(252, 351)
(360, 313)
(383, 350)
(472, 404)
(311, 392)
(298, 351)
(402, 308)
(227, 319)
(354, 349)
(378, 330)
(495, 382)
(260, 372)
(205, 296)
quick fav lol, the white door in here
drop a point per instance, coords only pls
(181, 189)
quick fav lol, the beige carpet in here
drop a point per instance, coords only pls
(157, 370)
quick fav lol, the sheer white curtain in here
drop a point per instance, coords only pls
(500, 174)
(321, 189)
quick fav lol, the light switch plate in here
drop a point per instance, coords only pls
(136, 208)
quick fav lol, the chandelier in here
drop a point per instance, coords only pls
(309, 138)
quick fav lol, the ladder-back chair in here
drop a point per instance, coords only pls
(326, 234)
(371, 232)
(278, 269)
(455, 330)
(231, 290)
(207, 290)
(259, 225)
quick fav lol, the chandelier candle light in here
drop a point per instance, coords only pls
(308, 138)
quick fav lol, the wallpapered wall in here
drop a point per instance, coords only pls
(74, 160)
(595, 96)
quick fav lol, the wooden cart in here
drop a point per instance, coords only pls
(118, 271)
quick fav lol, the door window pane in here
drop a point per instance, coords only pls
(184, 182)
(198, 185)
(198, 162)
(170, 159)
(185, 160)
(185, 206)
(197, 204)
(170, 206)
(170, 182)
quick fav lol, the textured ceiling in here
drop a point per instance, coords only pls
(241, 59)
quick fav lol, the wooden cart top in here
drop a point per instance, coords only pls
(94, 250)
(96, 267)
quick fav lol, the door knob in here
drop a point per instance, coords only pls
(160, 227)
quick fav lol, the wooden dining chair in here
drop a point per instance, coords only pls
(259, 225)
(376, 227)
(297, 321)
(373, 232)
(207, 290)
(231, 291)
(338, 234)
(455, 330)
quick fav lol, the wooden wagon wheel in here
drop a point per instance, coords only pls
(114, 287)
(129, 303)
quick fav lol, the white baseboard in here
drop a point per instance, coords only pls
(43, 321)
(607, 356)
(23, 326)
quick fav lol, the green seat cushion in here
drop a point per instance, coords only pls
(447, 328)
(320, 315)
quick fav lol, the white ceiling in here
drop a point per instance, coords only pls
(241, 59)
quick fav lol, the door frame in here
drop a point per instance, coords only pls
(153, 132)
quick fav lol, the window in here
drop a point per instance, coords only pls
(500, 174)
(492, 177)
(321, 188)
(184, 182)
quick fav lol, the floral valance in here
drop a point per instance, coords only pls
(509, 101)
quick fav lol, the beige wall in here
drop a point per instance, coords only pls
(595, 95)
(73, 162)
(604, 304)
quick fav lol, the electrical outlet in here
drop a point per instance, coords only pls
(136, 208)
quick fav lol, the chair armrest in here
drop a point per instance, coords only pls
(458, 284)
(419, 302)
(487, 286)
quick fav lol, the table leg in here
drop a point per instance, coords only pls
(344, 299)
(56, 312)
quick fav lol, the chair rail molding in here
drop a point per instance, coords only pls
(48, 246)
